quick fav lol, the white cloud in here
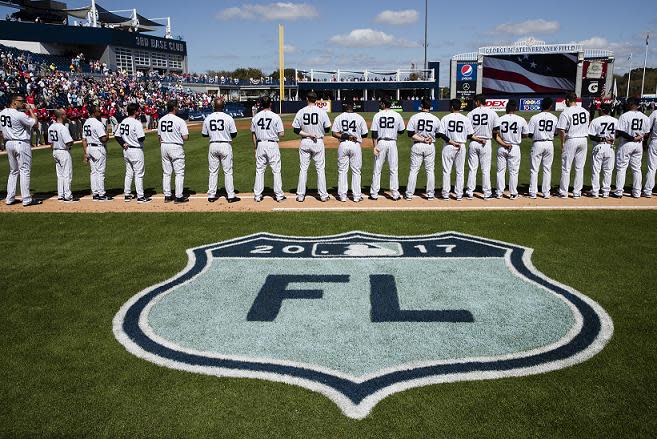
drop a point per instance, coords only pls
(269, 12)
(539, 26)
(289, 48)
(370, 38)
(595, 43)
(397, 18)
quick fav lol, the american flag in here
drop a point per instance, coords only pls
(553, 73)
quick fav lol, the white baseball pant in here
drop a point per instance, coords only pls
(574, 150)
(19, 154)
(315, 151)
(422, 153)
(134, 170)
(220, 153)
(97, 161)
(602, 158)
(479, 154)
(453, 156)
(652, 167)
(173, 161)
(349, 156)
(64, 170)
(629, 153)
(541, 156)
(508, 159)
(387, 148)
(267, 153)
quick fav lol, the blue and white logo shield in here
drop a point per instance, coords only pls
(358, 317)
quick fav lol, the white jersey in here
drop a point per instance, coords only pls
(219, 126)
(456, 127)
(350, 123)
(16, 125)
(603, 126)
(131, 130)
(633, 123)
(266, 125)
(171, 130)
(574, 121)
(59, 136)
(425, 124)
(312, 120)
(512, 127)
(542, 126)
(652, 124)
(387, 124)
(483, 120)
(93, 130)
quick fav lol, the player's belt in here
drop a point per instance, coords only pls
(172, 143)
(95, 144)
(266, 140)
(18, 140)
(387, 139)
(219, 141)
(136, 147)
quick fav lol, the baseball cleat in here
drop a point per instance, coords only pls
(33, 202)
(470, 196)
(577, 195)
(358, 199)
(343, 199)
(258, 199)
(513, 196)
(647, 194)
(278, 200)
(396, 198)
(499, 195)
(181, 200)
(636, 196)
(143, 200)
(616, 195)
(12, 202)
(60, 199)
(408, 197)
(445, 198)
(547, 196)
(95, 197)
(300, 198)
(605, 195)
(532, 196)
(563, 196)
(459, 198)
(373, 197)
(104, 198)
(70, 200)
(168, 198)
(595, 196)
(212, 199)
(324, 199)
(233, 199)
(127, 198)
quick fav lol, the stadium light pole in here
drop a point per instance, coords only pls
(645, 63)
(629, 76)
(426, 31)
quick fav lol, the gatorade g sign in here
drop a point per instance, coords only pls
(359, 317)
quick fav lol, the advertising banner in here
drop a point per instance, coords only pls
(497, 104)
(561, 104)
(466, 80)
(594, 76)
(325, 105)
(531, 104)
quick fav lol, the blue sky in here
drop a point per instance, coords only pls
(389, 34)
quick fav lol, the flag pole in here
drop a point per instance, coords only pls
(281, 67)
(629, 76)
(645, 63)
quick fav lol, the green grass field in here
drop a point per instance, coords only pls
(44, 181)
(64, 277)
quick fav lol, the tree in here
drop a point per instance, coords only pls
(635, 83)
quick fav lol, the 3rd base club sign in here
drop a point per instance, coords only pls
(358, 317)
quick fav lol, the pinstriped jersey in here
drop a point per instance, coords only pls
(483, 120)
(542, 126)
(574, 121)
(312, 120)
(351, 123)
(633, 123)
(93, 130)
(603, 126)
(131, 130)
(266, 125)
(171, 129)
(387, 124)
(15, 124)
(512, 127)
(424, 124)
(457, 127)
(59, 136)
(652, 123)
(219, 126)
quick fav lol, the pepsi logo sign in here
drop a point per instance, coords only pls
(466, 70)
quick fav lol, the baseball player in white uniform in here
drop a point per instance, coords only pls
(386, 126)
(60, 139)
(455, 129)
(602, 132)
(632, 127)
(652, 156)
(220, 128)
(94, 138)
(311, 123)
(541, 129)
(173, 132)
(483, 120)
(573, 126)
(423, 129)
(130, 135)
(351, 129)
(266, 130)
(512, 128)
(17, 132)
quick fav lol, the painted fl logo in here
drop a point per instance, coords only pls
(358, 317)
